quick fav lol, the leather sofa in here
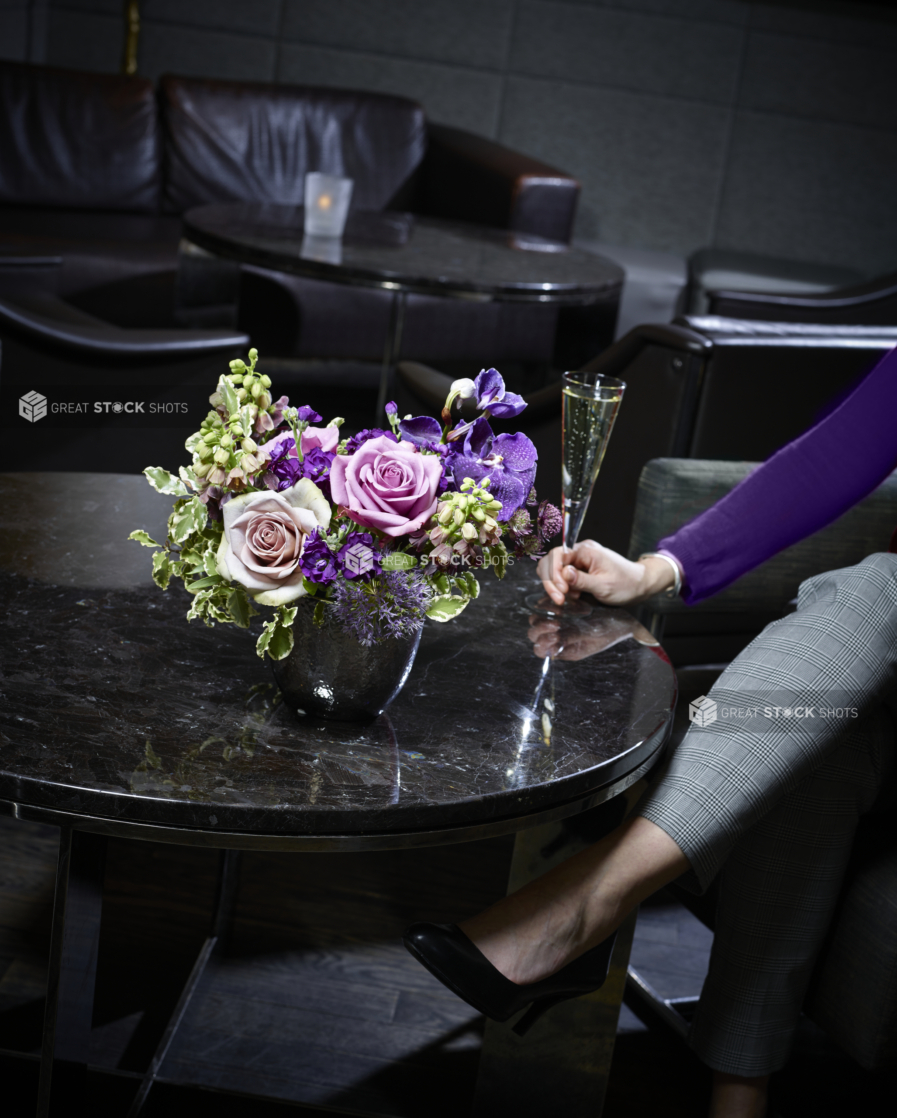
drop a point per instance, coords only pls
(97, 169)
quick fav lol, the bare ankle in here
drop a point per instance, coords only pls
(738, 1096)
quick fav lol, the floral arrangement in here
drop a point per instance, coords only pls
(383, 529)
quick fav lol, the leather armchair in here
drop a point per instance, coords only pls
(872, 303)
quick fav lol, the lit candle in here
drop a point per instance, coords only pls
(326, 204)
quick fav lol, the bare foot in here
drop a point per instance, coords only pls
(738, 1096)
(572, 908)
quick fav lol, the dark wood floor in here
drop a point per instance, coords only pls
(316, 1001)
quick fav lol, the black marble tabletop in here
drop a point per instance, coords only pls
(114, 706)
(416, 254)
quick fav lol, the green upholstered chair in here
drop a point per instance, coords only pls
(853, 994)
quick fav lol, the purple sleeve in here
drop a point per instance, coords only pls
(807, 484)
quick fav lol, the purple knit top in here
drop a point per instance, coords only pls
(807, 484)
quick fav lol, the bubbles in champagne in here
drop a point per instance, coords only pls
(589, 415)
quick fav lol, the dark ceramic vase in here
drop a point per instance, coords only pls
(330, 675)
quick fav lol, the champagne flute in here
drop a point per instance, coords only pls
(590, 405)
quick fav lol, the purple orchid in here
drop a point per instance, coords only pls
(423, 431)
(493, 398)
(509, 461)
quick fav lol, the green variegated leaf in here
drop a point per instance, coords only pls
(142, 537)
(399, 561)
(240, 609)
(203, 583)
(161, 569)
(444, 609)
(277, 635)
(164, 482)
(228, 395)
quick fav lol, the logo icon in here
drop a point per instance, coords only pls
(702, 711)
(32, 406)
(358, 558)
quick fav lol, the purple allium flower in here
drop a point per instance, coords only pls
(423, 430)
(353, 443)
(392, 605)
(317, 562)
(509, 461)
(306, 414)
(494, 398)
(359, 557)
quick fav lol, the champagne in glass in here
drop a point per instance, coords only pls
(590, 405)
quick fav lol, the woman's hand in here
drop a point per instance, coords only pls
(603, 573)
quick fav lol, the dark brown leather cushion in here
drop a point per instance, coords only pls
(77, 140)
(254, 142)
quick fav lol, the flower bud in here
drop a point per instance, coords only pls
(264, 401)
(256, 390)
(211, 438)
(222, 456)
(204, 452)
(478, 514)
(249, 445)
(469, 532)
(266, 381)
(465, 388)
(458, 517)
(445, 514)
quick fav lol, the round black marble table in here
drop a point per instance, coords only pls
(120, 718)
(404, 253)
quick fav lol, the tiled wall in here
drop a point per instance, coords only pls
(769, 127)
(22, 29)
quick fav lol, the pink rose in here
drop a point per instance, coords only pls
(324, 437)
(387, 485)
(264, 534)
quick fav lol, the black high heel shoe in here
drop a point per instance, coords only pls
(458, 963)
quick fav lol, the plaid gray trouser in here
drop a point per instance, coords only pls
(767, 798)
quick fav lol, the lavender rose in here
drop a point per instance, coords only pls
(264, 535)
(387, 485)
(324, 438)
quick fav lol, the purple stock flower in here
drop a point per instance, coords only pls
(391, 408)
(509, 461)
(317, 562)
(493, 397)
(285, 469)
(305, 414)
(362, 437)
(358, 557)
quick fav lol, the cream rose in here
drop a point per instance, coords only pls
(264, 534)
